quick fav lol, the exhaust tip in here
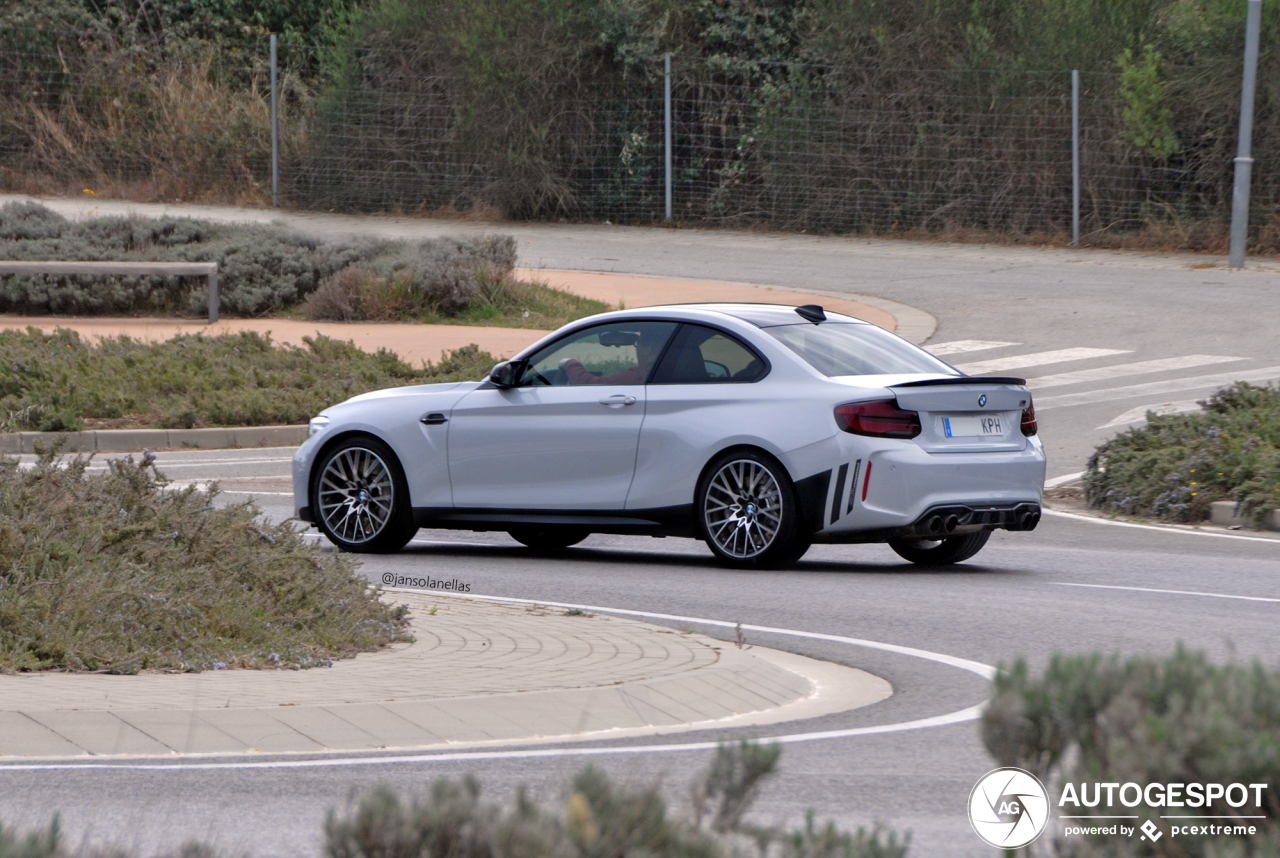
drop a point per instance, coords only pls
(951, 523)
(1028, 520)
(934, 524)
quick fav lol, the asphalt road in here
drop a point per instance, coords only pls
(1022, 596)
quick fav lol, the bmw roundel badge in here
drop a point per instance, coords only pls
(982, 401)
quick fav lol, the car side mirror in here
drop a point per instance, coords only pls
(507, 373)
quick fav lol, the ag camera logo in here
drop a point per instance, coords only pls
(1008, 808)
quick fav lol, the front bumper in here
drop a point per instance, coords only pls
(302, 460)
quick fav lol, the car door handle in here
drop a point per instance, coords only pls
(434, 418)
(618, 400)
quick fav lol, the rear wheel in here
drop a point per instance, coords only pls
(748, 513)
(548, 538)
(361, 499)
(940, 552)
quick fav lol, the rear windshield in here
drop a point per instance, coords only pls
(836, 349)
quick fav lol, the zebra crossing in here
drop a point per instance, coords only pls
(1098, 385)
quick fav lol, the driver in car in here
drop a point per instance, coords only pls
(646, 354)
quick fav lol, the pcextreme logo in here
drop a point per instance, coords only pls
(1009, 808)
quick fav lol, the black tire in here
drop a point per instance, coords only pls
(360, 498)
(748, 520)
(940, 552)
(548, 538)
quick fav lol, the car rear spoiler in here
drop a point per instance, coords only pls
(963, 379)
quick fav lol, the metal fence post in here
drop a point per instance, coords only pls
(1075, 157)
(213, 296)
(275, 128)
(1244, 148)
(666, 113)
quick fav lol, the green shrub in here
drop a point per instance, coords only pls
(1144, 720)
(599, 819)
(37, 844)
(1176, 465)
(114, 572)
(261, 268)
(55, 382)
(444, 278)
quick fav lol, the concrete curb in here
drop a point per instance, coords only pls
(134, 440)
(584, 677)
(1223, 513)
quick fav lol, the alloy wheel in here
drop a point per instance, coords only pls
(743, 508)
(356, 494)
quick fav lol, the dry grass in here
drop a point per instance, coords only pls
(173, 132)
(112, 572)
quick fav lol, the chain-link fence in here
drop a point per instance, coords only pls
(786, 146)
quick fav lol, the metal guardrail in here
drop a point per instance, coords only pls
(208, 270)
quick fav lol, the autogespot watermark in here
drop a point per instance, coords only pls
(391, 579)
(1009, 808)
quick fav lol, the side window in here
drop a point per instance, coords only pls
(701, 355)
(614, 353)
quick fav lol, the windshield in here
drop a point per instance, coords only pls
(835, 349)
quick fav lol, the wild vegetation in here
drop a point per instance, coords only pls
(1145, 720)
(942, 118)
(1176, 465)
(110, 571)
(59, 382)
(600, 818)
(264, 268)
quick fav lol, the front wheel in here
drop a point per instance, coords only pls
(748, 512)
(940, 552)
(361, 498)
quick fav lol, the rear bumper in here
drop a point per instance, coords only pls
(895, 488)
(949, 520)
(961, 518)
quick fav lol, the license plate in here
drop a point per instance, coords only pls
(967, 427)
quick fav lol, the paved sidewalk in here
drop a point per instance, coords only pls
(479, 673)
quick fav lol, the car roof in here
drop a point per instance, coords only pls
(760, 315)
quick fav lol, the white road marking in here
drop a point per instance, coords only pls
(1169, 592)
(1168, 528)
(1065, 478)
(959, 346)
(961, 716)
(456, 542)
(162, 462)
(1103, 373)
(1139, 414)
(1156, 388)
(100, 463)
(1037, 359)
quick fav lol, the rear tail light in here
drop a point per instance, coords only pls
(1029, 421)
(881, 419)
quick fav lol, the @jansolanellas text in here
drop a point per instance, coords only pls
(391, 579)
